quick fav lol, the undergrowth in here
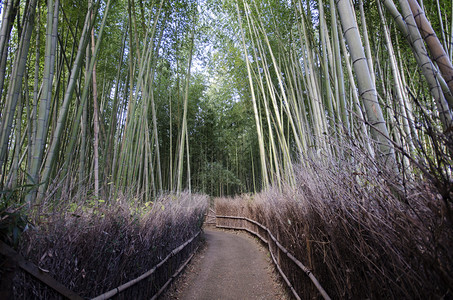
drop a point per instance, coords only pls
(96, 246)
(360, 238)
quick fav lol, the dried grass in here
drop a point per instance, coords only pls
(95, 250)
(359, 238)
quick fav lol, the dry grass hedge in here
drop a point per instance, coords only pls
(359, 239)
(97, 248)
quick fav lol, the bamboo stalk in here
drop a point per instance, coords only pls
(365, 84)
(184, 120)
(15, 82)
(265, 178)
(63, 112)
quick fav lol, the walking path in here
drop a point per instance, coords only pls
(233, 266)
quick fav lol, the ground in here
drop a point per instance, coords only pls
(231, 265)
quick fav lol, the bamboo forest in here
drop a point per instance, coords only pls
(324, 127)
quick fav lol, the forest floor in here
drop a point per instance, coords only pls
(231, 265)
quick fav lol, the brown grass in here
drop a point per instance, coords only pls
(92, 249)
(359, 239)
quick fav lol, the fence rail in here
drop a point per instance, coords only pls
(58, 287)
(268, 241)
(125, 286)
(37, 273)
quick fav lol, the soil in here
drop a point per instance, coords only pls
(231, 265)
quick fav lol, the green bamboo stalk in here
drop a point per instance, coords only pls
(75, 128)
(434, 46)
(408, 27)
(366, 42)
(143, 84)
(15, 83)
(326, 82)
(62, 114)
(9, 14)
(42, 125)
(109, 168)
(189, 181)
(312, 85)
(265, 178)
(426, 65)
(365, 83)
(399, 88)
(36, 92)
(170, 168)
(184, 120)
(276, 118)
(152, 67)
(12, 178)
(355, 100)
(339, 76)
(95, 118)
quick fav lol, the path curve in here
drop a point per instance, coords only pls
(232, 266)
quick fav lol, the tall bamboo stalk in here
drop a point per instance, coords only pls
(64, 108)
(15, 83)
(183, 140)
(264, 174)
(367, 89)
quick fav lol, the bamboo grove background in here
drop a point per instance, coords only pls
(95, 97)
(102, 97)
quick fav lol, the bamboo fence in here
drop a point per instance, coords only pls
(58, 287)
(274, 246)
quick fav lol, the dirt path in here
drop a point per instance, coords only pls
(233, 266)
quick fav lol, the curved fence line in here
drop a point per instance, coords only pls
(123, 287)
(283, 249)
